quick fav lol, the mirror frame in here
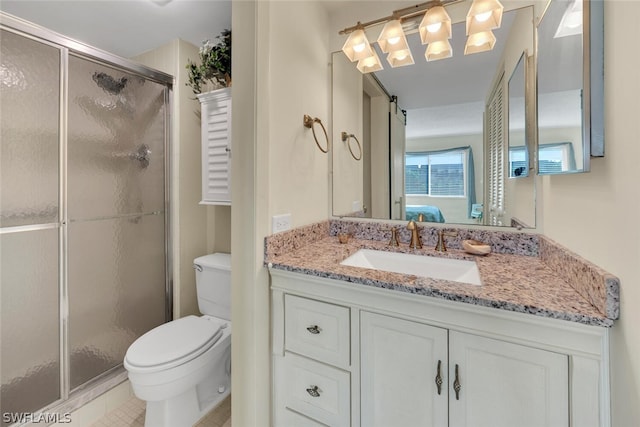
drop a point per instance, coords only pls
(521, 67)
(592, 83)
(593, 19)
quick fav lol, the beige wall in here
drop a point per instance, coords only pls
(596, 214)
(593, 214)
(197, 229)
(281, 72)
(298, 84)
(347, 116)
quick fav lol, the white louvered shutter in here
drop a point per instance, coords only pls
(496, 155)
(216, 147)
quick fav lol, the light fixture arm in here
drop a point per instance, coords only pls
(403, 14)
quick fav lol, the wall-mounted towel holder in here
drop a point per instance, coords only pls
(308, 122)
(346, 137)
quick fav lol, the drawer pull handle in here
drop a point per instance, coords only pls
(313, 391)
(315, 330)
(439, 378)
(456, 384)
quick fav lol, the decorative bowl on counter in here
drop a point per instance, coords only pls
(475, 247)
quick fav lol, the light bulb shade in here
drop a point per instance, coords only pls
(392, 37)
(440, 49)
(484, 15)
(400, 58)
(571, 22)
(435, 26)
(480, 42)
(370, 64)
(357, 46)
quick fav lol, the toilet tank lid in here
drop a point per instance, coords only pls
(220, 261)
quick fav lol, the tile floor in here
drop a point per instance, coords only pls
(131, 414)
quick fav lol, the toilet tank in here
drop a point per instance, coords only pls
(213, 284)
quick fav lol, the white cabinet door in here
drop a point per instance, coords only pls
(216, 146)
(505, 385)
(399, 365)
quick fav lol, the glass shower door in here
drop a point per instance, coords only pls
(30, 351)
(116, 211)
(83, 208)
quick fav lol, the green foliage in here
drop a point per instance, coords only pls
(214, 65)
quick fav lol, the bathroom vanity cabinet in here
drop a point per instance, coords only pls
(347, 354)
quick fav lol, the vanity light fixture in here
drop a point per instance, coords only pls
(571, 22)
(399, 58)
(357, 46)
(434, 29)
(370, 64)
(484, 15)
(480, 42)
(392, 37)
(438, 50)
(435, 26)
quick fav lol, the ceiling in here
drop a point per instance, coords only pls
(126, 27)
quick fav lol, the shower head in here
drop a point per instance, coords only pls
(108, 83)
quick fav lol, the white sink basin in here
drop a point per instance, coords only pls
(456, 270)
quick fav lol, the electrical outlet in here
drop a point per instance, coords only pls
(280, 223)
(355, 206)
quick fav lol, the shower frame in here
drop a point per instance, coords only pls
(71, 400)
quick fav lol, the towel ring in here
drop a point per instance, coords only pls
(308, 122)
(347, 137)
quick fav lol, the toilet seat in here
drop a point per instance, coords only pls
(173, 343)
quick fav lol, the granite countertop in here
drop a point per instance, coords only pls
(510, 282)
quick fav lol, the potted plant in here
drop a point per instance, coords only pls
(214, 68)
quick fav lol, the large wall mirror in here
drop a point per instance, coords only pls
(460, 140)
(426, 131)
(570, 86)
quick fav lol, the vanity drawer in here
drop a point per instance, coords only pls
(317, 329)
(294, 419)
(317, 391)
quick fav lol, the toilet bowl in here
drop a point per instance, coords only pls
(182, 369)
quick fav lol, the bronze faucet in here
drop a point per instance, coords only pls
(441, 245)
(415, 235)
(394, 237)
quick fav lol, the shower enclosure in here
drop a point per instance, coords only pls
(83, 214)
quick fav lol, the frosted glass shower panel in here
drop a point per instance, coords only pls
(30, 350)
(116, 289)
(29, 131)
(116, 142)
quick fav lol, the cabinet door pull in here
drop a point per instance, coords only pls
(314, 329)
(439, 378)
(313, 391)
(456, 384)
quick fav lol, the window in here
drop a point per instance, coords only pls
(435, 174)
(552, 158)
(555, 158)
(518, 162)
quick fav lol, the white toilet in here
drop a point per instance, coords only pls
(182, 369)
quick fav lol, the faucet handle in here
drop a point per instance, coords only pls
(441, 245)
(394, 237)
